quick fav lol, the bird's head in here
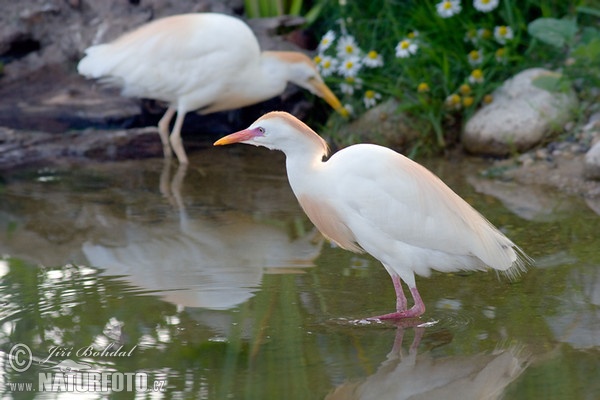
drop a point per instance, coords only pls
(279, 130)
(304, 73)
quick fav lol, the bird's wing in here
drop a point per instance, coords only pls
(384, 192)
(172, 55)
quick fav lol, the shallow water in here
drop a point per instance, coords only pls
(211, 283)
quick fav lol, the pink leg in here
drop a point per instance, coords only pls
(415, 311)
(400, 297)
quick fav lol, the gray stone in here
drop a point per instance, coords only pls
(383, 124)
(520, 117)
(592, 162)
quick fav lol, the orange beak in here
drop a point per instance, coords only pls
(238, 137)
(331, 99)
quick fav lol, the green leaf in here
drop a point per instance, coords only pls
(588, 10)
(555, 32)
(555, 83)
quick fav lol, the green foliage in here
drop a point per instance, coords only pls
(579, 48)
(555, 32)
(442, 68)
(271, 8)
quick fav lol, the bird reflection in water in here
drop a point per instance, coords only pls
(406, 374)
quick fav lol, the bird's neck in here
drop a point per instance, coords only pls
(273, 74)
(304, 169)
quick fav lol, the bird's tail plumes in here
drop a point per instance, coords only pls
(91, 66)
(519, 264)
(499, 252)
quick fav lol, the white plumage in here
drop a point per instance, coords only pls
(370, 198)
(208, 62)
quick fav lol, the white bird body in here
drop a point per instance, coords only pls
(206, 61)
(370, 198)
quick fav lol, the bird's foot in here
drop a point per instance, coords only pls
(414, 312)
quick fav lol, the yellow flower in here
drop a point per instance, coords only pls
(453, 101)
(488, 98)
(423, 87)
(468, 101)
(464, 89)
(317, 59)
(413, 35)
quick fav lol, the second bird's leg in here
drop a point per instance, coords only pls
(175, 139)
(163, 131)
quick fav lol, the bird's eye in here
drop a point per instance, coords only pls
(261, 130)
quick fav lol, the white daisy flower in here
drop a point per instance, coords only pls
(373, 59)
(326, 41)
(327, 65)
(346, 47)
(448, 8)
(501, 55)
(351, 84)
(349, 109)
(476, 76)
(471, 36)
(484, 33)
(485, 5)
(475, 57)
(405, 48)
(502, 34)
(350, 66)
(370, 98)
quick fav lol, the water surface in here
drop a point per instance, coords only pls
(213, 283)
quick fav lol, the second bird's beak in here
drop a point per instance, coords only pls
(323, 91)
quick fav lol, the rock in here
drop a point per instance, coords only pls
(383, 124)
(592, 162)
(21, 148)
(520, 117)
(64, 101)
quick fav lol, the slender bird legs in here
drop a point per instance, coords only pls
(401, 305)
(173, 141)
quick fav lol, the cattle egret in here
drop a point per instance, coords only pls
(368, 198)
(205, 61)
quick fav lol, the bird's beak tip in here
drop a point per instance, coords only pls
(331, 99)
(221, 142)
(343, 112)
(237, 137)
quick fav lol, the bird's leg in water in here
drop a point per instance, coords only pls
(400, 297)
(163, 130)
(415, 311)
